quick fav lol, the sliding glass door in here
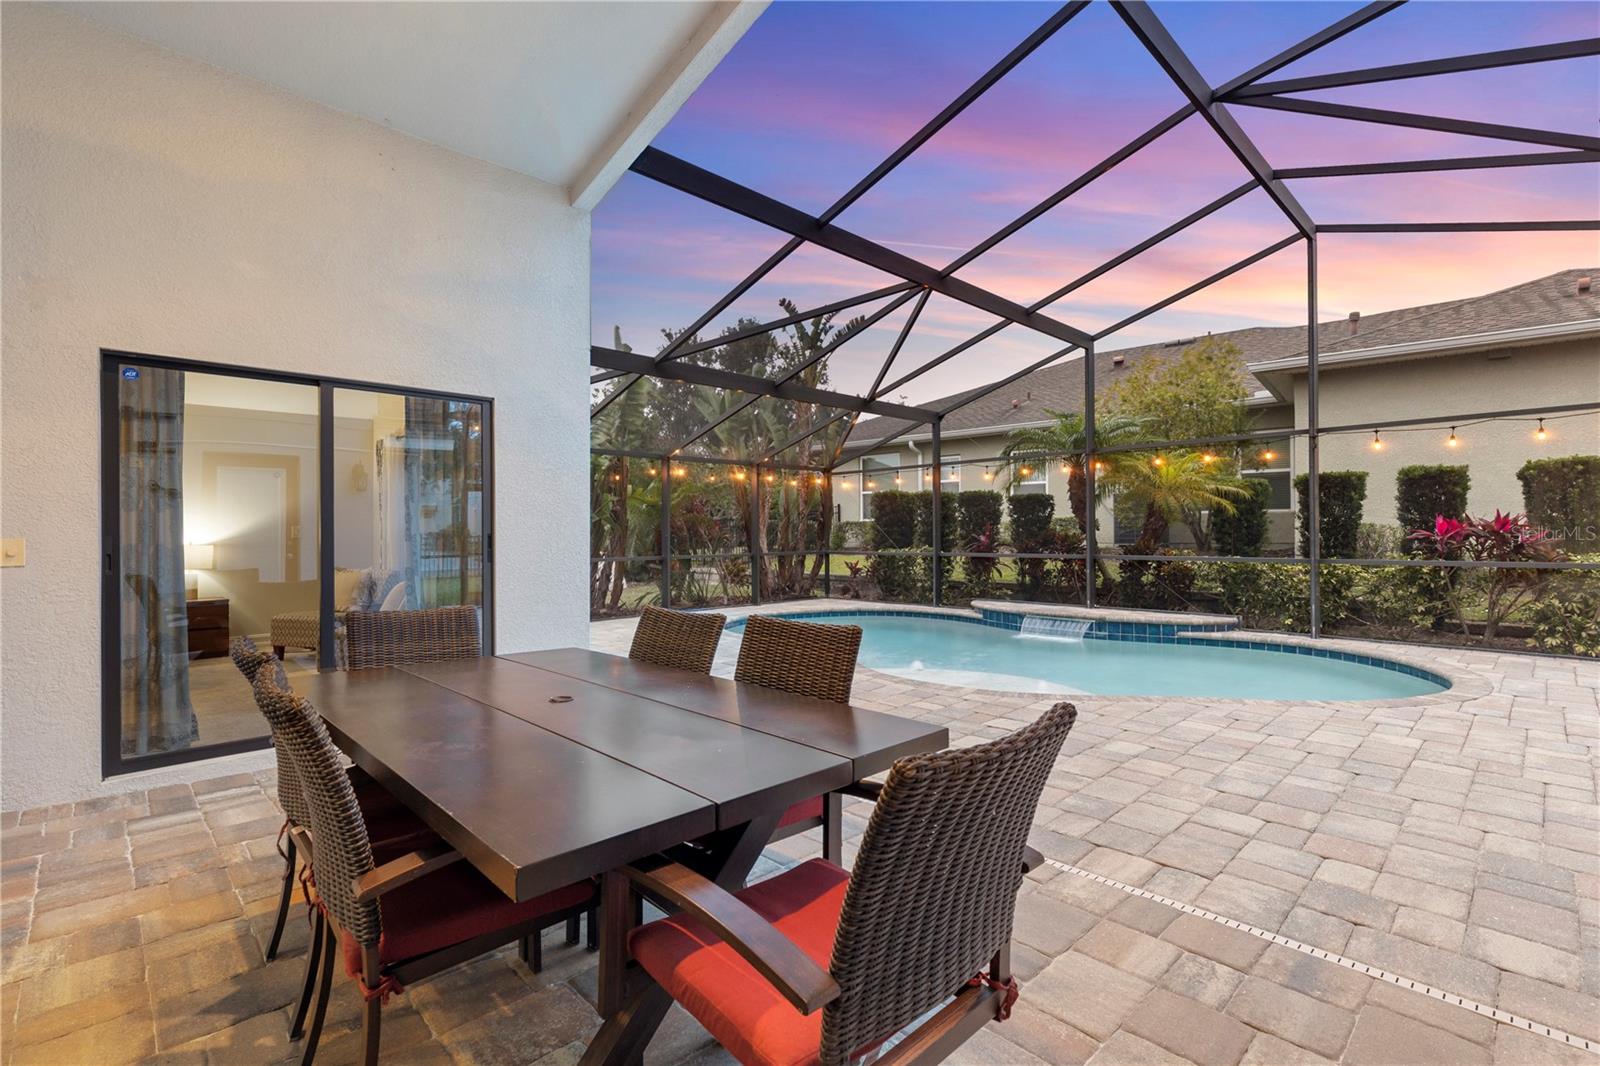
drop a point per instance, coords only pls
(238, 503)
(409, 501)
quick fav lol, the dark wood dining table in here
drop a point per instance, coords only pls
(546, 767)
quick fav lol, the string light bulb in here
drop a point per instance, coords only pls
(738, 475)
(897, 479)
(1208, 458)
(1268, 455)
(1541, 434)
(1452, 441)
(769, 479)
(1158, 461)
(845, 484)
(793, 482)
(1066, 469)
(988, 475)
(679, 471)
(1027, 471)
(1377, 442)
(1099, 468)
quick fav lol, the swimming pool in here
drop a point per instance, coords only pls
(967, 652)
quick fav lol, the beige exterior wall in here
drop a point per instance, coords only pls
(1547, 375)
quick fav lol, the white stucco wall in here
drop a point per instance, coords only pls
(156, 204)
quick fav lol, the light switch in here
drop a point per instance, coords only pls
(13, 551)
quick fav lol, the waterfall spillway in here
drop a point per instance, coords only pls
(1045, 627)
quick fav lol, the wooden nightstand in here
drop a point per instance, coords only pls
(208, 628)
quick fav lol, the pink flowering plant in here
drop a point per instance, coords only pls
(1504, 539)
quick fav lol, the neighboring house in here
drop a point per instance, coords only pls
(1530, 347)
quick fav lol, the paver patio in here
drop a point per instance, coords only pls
(1450, 839)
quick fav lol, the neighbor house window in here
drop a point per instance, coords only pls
(1028, 478)
(877, 473)
(1270, 462)
(219, 523)
(950, 474)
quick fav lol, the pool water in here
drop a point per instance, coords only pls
(951, 652)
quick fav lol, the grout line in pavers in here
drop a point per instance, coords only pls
(1494, 1013)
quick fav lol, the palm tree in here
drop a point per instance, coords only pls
(1174, 487)
(1066, 438)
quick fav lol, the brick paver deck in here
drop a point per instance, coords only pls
(1453, 840)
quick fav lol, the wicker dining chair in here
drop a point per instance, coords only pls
(684, 640)
(393, 829)
(808, 659)
(436, 910)
(395, 638)
(821, 965)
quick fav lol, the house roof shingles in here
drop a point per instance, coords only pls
(1551, 300)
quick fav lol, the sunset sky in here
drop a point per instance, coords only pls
(816, 94)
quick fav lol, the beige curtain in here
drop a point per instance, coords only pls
(157, 715)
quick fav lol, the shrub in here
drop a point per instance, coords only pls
(1160, 586)
(1244, 531)
(949, 535)
(894, 513)
(1030, 520)
(1343, 494)
(1030, 532)
(1563, 496)
(978, 511)
(1278, 595)
(1422, 493)
(852, 535)
(1378, 540)
(1400, 597)
(1502, 539)
(900, 574)
(978, 519)
(1567, 620)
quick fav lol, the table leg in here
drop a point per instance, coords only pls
(616, 918)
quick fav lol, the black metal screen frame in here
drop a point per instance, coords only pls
(1213, 106)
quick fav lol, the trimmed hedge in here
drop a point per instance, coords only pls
(1563, 496)
(1030, 520)
(895, 515)
(1422, 493)
(978, 511)
(1244, 531)
(1343, 494)
(949, 520)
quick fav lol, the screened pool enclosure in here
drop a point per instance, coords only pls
(1103, 435)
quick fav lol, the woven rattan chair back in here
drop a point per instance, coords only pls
(934, 888)
(684, 640)
(395, 638)
(344, 851)
(291, 797)
(806, 658)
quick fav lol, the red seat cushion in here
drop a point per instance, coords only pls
(450, 906)
(391, 826)
(811, 808)
(724, 992)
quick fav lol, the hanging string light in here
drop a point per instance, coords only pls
(1452, 441)
(988, 475)
(897, 479)
(1208, 458)
(1159, 460)
(1066, 469)
(845, 484)
(1268, 455)
(1026, 471)
(1541, 434)
(1377, 442)
(679, 471)
(872, 483)
(1099, 468)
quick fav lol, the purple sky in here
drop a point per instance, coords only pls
(816, 94)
